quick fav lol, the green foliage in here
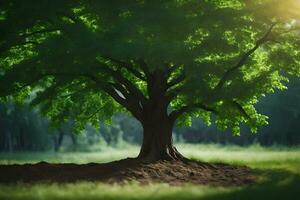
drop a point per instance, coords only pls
(70, 54)
(284, 114)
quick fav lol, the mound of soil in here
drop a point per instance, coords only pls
(172, 172)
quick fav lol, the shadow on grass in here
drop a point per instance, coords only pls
(276, 184)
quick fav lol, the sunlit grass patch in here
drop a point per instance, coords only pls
(253, 156)
(88, 190)
(106, 155)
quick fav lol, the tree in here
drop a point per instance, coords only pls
(22, 129)
(161, 61)
(283, 109)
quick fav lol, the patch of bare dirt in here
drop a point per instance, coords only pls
(172, 172)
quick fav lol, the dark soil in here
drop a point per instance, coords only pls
(172, 172)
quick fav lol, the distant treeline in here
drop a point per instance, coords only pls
(24, 129)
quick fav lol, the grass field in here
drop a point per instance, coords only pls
(277, 168)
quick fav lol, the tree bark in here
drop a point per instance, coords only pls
(157, 124)
(157, 141)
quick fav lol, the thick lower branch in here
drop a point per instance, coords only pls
(118, 77)
(176, 80)
(177, 113)
(127, 66)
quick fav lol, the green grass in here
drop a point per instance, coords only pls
(278, 169)
(254, 156)
(106, 155)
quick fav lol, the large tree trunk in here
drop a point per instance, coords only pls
(157, 141)
(157, 124)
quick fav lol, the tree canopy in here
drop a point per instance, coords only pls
(86, 60)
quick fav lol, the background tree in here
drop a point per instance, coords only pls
(158, 60)
(112, 134)
(22, 129)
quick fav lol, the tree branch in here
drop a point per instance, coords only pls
(173, 93)
(117, 75)
(176, 113)
(244, 58)
(41, 31)
(110, 88)
(127, 66)
(241, 109)
(176, 80)
(129, 105)
(21, 39)
(73, 18)
(144, 67)
(170, 69)
(24, 44)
